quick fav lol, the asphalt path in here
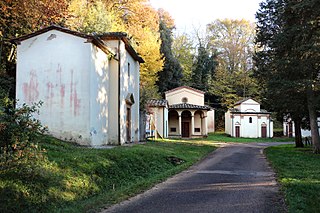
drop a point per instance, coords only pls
(234, 178)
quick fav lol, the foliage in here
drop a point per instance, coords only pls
(171, 75)
(78, 179)
(18, 132)
(298, 172)
(287, 60)
(233, 41)
(183, 51)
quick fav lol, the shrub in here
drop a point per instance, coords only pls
(19, 131)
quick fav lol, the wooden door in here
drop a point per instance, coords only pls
(237, 131)
(128, 124)
(185, 129)
(263, 131)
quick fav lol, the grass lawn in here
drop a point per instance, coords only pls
(298, 171)
(77, 179)
(222, 137)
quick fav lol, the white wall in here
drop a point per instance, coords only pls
(211, 127)
(194, 97)
(99, 97)
(248, 130)
(54, 67)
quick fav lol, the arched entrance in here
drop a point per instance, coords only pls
(185, 124)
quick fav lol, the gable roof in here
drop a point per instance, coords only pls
(184, 87)
(244, 100)
(96, 39)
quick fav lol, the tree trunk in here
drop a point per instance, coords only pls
(313, 120)
(297, 129)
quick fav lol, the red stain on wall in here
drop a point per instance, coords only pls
(30, 89)
(74, 100)
(62, 86)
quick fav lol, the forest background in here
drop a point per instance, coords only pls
(217, 61)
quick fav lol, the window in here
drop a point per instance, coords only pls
(196, 129)
(250, 120)
(129, 70)
(173, 129)
(184, 100)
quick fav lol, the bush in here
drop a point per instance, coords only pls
(19, 131)
(278, 133)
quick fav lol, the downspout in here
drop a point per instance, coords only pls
(119, 99)
(164, 124)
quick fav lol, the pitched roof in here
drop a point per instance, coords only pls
(184, 87)
(243, 100)
(188, 106)
(155, 102)
(94, 38)
(237, 111)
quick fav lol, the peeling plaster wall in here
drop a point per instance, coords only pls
(54, 67)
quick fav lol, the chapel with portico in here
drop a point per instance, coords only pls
(188, 116)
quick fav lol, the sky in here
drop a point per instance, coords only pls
(190, 14)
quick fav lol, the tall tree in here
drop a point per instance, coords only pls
(183, 50)
(288, 58)
(233, 40)
(171, 74)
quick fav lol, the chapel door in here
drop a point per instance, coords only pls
(263, 131)
(185, 129)
(128, 124)
(237, 131)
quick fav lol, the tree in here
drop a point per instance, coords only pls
(183, 50)
(233, 41)
(21, 17)
(287, 60)
(171, 74)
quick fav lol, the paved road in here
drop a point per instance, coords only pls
(234, 178)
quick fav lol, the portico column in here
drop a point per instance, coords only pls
(192, 124)
(205, 126)
(179, 124)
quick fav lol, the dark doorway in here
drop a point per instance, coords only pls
(237, 131)
(185, 130)
(128, 124)
(290, 130)
(263, 131)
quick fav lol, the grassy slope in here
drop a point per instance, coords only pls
(80, 179)
(299, 174)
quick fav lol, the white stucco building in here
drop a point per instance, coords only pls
(289, 128)
(246, 119)
(182, 114)
(89, 84)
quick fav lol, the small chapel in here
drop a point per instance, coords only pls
(247, 120)
(182, 114)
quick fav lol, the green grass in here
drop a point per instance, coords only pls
(77, 179)
(298, 171)
(222, 137)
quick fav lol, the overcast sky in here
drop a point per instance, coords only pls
(198, 13)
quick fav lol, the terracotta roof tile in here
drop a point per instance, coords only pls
(155, 102)
(188, 106)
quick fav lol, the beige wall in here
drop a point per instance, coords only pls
(193, 97)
